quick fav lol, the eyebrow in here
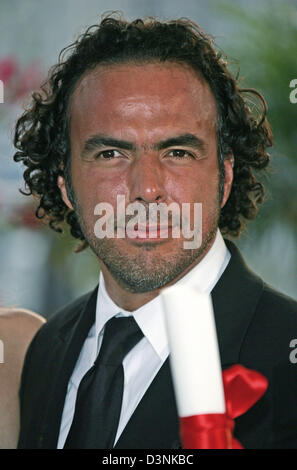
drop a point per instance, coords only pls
(98, 141)
(189, 140)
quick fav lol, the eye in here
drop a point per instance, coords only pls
(180, 154)
(107, 155)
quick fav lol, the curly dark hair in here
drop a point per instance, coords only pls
(42, 132)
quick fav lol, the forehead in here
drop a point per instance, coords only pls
(121, 95)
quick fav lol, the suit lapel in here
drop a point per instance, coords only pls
(235, 298)
(154, 424)
(68, 345)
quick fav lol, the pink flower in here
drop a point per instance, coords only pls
(19, 81)
(8, 67)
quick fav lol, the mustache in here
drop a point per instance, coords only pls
(157, 218)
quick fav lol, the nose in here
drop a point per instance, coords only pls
(147, 182)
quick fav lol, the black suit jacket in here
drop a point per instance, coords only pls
(255, 325)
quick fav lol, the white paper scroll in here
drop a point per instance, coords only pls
(194, 353)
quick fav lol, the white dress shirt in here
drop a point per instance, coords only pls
(143, 362)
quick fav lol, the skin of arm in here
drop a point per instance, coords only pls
(17, 329)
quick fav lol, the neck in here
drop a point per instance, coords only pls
(131, 301)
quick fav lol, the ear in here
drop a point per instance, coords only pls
(62, 186)
(228, 164)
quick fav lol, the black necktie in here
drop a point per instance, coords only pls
(99, 396)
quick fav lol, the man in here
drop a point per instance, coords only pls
(148, 111)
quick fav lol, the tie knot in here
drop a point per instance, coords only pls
(121, 334)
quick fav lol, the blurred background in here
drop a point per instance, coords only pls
(39, 270)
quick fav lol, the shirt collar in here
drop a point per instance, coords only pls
(150, 317)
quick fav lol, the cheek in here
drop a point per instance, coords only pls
(204, 189)
(93, 186)
(196, 188)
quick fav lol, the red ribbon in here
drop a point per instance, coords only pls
(243, 388)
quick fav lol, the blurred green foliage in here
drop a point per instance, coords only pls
(264, 45)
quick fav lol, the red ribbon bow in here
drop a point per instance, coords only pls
(243, 388)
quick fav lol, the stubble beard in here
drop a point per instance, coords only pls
(143, 269)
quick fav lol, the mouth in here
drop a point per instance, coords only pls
(149, 233)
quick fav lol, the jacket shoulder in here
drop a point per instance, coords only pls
(272, 328)
(278, 311)
(274, 300)
(69, 312)
(46, 335)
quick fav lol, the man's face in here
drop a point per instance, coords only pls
(141, 117)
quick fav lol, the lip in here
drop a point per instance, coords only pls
(150, 233)
(146, 228)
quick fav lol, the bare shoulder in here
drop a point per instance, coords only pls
(17, 329)
(19, 325)
(22, 314)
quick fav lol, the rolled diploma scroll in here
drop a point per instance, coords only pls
(194, 353)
